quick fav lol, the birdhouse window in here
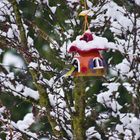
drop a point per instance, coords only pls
(76, 64)
(96, 63)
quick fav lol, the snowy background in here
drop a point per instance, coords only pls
(113, 102)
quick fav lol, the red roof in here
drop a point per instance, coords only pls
(88, 43)
(78, 50)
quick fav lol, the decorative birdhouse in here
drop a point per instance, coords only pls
(87, 55)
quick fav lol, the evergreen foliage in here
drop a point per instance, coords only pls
(34, 36)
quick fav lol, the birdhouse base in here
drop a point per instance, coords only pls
(94, 72)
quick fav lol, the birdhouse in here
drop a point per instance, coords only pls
(87, 55)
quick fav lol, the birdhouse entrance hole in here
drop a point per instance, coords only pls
(76, 64)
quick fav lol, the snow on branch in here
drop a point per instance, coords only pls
(23, 125)
(8, 82)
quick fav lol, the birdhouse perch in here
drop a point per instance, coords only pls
(88, 60)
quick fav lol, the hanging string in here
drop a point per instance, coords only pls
(85, 15)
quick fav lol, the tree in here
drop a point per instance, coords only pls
(34, 36)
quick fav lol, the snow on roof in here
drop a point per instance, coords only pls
(88, 42)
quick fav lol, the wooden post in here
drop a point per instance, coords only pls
(79, 105)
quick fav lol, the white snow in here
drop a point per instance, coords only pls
(10, 33)
(89, 4)
(137, 2)
(57, 128)
(11, 76)
(33, 65)
(73, 1)
(26, 122)
(11, 59)
(23, 125)
(43, 67)
(120, 23)
(30, 41)
(120, 128)
(3, 33)
(46, 2)
(129, 124)
(128, 86)
(23, 90)
(71, 21)
(52, 99)
(96, 43)
(2, 109)
(64, 49)
(53, 9)
(34, 52)
(1, 5)
(124, 66)
(52, 113)
(91, 132)
(44, 138)
(31, 93)
(15, 30)
(112, 86)
(18, 1)
(19, 87)
(87, 88)
(106, 97)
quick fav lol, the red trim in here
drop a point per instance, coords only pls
(75, 49)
